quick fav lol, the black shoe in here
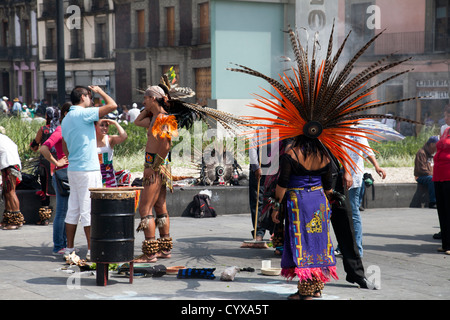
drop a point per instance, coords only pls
(363, 283)
(432, 205)
(437, 235)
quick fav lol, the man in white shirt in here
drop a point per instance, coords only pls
(354, 192)
(4, 105)
(80, 145)
(133, 112)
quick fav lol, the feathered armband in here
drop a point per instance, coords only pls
(165, 126)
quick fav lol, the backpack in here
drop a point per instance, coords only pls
(201, 207)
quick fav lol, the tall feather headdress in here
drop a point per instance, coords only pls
(186, 113)
(320, 102)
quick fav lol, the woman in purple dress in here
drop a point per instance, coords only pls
(304, 182)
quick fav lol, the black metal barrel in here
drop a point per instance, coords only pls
(112, 225)
(112, 228)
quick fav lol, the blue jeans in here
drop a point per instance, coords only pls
(354, 199)
(427, 181)
(59, 227)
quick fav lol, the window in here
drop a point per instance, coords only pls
(5, 34)
(204, 23)
(140, 27)
(170, 26)
(203, 85)
(101, 44)
(442, 30)
(75, 44)
(50, 49)
(26, 40)
(141, 78)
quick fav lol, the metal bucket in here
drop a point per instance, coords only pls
(112, 224)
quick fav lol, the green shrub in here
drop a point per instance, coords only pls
(22, 133)
(130, 154)
(401, 153)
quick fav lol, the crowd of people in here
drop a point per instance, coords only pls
(76, 153)
(18, 108)
(38, 108)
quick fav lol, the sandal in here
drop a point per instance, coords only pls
(298, 296)
(317, 294)
(164, 254)
(10, 227)
(144, 258)
(165, 246)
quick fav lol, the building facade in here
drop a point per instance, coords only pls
(89, 46)
(413, 28)
(18, 50)
(155, 35)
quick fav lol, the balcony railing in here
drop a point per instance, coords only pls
(99, 50)
(17, 53)
(405, 43)
(76, 52)
(175, 38)
(49, 52)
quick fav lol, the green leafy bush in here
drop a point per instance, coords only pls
(130, 154)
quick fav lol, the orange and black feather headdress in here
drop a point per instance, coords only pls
(320, 102)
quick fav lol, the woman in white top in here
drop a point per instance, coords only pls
(105, 146)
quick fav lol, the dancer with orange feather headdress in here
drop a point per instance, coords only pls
(320, 108)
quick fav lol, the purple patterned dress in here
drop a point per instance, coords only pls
(308, 251)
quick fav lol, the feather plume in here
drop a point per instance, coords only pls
(319, 95)
(186, 113)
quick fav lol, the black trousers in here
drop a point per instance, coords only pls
(442, 189)
(341, 219)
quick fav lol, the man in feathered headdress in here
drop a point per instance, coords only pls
(157, 175)
(319, 107)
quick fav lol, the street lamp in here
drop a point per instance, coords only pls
(60, 66)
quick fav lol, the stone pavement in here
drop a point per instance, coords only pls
(400, 254)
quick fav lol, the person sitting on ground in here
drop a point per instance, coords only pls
(423, 168)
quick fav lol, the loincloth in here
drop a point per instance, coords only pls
(11, 177)
(161, 168)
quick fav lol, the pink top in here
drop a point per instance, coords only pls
(55, 140)
(441, 169)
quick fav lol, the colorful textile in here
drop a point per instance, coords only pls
(308, 250)
(11, 177)
(105, 157)
(161, 167)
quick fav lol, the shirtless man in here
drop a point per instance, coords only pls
(10, 167)
(157, 175)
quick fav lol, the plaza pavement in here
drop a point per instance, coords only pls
(400, 255)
